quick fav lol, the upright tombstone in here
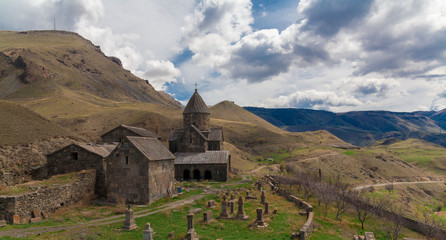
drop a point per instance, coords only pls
(224, 209)
(259, 222)
(191, 234)
(266, 208)
(147, 233)
(241, 212)
(129, 223)
(262, 198)
(207, 216)
(231, 207)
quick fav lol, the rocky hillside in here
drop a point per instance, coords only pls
(48, 63)
(362, 127)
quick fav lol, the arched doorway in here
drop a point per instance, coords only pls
(197, 174)
(186, 174)
(208, 175)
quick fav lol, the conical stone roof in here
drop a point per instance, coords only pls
(196, 104)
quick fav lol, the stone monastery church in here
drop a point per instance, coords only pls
(133, 166)
(198, 148)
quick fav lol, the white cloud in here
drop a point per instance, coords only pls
(313, 99)
(161, 72)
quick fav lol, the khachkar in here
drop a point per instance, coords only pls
(224, 209)
(241, 212)
(129, 223)
(191, 234)
(260, 222)
(262, 198)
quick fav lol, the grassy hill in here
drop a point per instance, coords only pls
(19, 125)
(49, 63)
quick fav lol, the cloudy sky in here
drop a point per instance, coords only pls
(342, 55)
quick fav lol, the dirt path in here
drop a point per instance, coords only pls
(395, 183)
(103, 221)
(317, 158)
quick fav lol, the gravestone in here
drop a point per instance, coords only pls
(266, 208)
(262, 198)
(275, 211)
(224, 209)
(44, 215)
(195, 210)
(35, 213)
(147, 233)
(129, 223)
(207, 216)
(35, 220)
(259, 222)
(211, 204)
(191, 234)
(231, 207)
(15, 219)
(241, 211)
(2, 223)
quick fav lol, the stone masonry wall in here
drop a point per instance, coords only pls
(127, 176)
(117, 135)
(61, 162)
(219, 171)
(307, 228)
(161, 179)
(48, 198)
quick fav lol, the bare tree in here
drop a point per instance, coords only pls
(341, 196)
(433, 223)
(392, 227)
(365, 206)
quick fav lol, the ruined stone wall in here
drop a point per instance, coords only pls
(48, 198)
(127, 172)
(161, 179)
(307, 228)
(117, 135)
(200, 120)
(219, 172)
(61, 162)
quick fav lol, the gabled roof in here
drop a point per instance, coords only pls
(151, 148)
(198, 131)
(102, 150)
(138, 131)
(175, 134)
(209, 157)
(196, 104)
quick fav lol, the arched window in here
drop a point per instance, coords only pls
(186, 174)
(208, 175)
(197, 174)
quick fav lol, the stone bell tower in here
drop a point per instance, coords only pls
(196, 113)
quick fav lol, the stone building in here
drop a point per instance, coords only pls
(210, 165)
(77, 157)
(140, 171)
(118, 133)
(198, 148)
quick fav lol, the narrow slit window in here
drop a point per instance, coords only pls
(127, 160)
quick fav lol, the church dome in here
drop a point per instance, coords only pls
(196, 104)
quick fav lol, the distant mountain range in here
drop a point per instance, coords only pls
(360, 128)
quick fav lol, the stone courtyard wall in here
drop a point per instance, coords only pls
(48, 197)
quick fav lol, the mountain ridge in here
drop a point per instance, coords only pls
(360, 128)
